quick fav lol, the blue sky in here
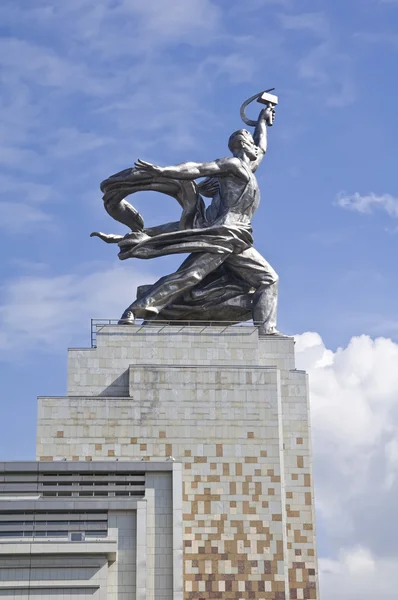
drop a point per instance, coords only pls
(89, 87)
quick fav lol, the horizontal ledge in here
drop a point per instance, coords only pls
(81, 466)
(40, 567)
(128, 503)
(65, 586)
(23, 548)
(214, 367)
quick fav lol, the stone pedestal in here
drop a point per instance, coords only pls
(234, 411)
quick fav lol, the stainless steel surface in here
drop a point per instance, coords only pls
(224, 278)
(267, 98)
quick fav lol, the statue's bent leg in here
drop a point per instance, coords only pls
(265, 303)
(168, 288)
(257, 272)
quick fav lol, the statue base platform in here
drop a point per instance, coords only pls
(232, 408)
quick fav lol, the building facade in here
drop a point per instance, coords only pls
(91, 530)
(232, 410)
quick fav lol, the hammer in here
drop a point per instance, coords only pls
(266, 98)
(269, 100)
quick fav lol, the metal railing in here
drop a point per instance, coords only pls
(98, 324)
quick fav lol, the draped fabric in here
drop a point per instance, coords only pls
(215, 239)
(221, 295)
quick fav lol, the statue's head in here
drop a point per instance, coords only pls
(243, 140)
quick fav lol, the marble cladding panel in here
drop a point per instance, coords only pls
(122, 580)
(104, 370)
(300, 513)
(48, 577)
(234, 411)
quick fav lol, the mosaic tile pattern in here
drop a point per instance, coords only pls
(300, 515)
(234, 411)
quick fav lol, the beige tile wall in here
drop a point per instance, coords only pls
(233, 410)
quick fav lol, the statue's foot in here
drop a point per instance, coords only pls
(145, 312)
(262, 332)
(127, 318)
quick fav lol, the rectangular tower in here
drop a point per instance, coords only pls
(232, 408)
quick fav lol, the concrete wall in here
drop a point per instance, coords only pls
(122, 572)
(50, 577)
(233, 409)
(137, 557)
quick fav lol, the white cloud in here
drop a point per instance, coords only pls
(326, 68)
(357, 574)
(69, 141)
(255, 5)
(48, 312)
(354, 412)
(347, 387)
(367, 203)
(125, 27)
(176, 20)
(110, 54)
(21, 206)
(26, 191)
(115, 56)
(374, 37)
(14, 157)
(46, 68)
(314, 22)
(19, 217)
(329, 70)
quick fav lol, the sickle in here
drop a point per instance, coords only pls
(246, 103)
